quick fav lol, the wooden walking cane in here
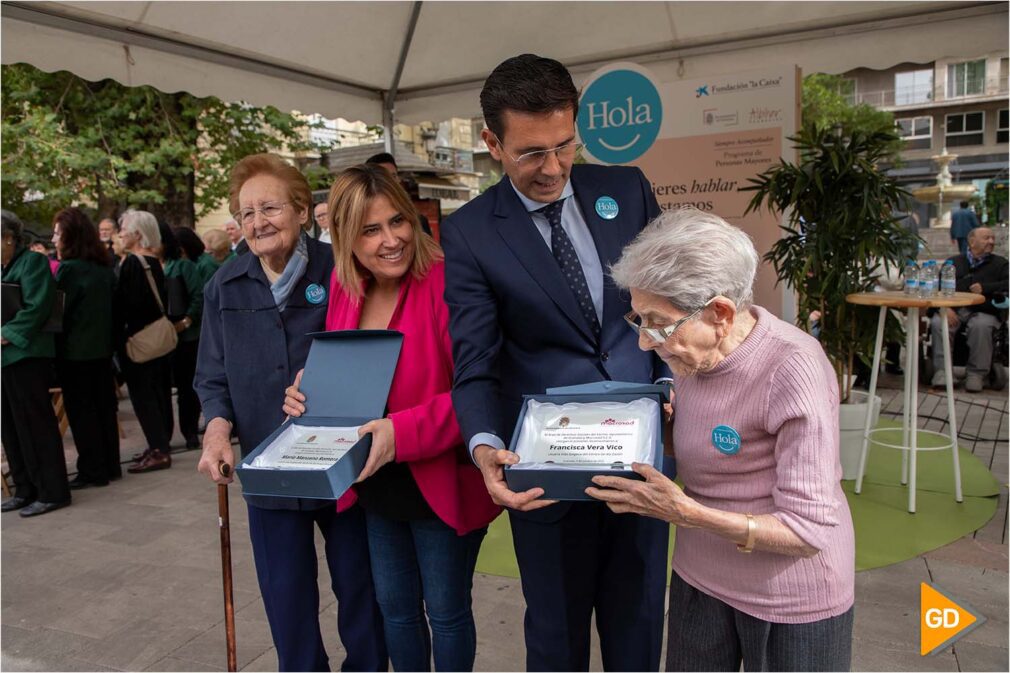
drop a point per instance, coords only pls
(229, 600)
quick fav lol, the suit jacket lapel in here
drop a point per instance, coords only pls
(606, 237)
(516, 228)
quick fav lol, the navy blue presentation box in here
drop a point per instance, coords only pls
(571, 483)
(346, 382)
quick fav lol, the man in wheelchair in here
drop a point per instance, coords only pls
(980, 271)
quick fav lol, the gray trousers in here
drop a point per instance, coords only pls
(705, 634)
(979, 334)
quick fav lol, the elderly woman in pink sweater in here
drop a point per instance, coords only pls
(426, 507)
(763, 568)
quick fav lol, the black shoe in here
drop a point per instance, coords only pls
(39, 507)
(17, 502)
(192, 442)
(77, 483)
(894, 369)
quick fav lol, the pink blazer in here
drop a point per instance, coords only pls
(420, 403)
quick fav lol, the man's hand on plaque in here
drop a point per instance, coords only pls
(383, 446)
(491, 462)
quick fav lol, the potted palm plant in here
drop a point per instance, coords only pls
(841, 234)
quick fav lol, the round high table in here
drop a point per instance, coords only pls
(910, 413)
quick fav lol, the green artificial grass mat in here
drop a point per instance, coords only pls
(885, 531)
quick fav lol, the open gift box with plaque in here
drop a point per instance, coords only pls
(319, 455)
(569, 435)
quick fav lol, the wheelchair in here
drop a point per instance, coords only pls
(998, 374)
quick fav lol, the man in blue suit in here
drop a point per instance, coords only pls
(962, 221)
(531, 307)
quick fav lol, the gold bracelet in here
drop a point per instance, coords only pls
(751, 536)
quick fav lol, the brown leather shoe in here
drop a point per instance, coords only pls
(137, 457)
(155, 460)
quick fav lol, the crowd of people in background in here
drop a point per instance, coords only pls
(65, 332)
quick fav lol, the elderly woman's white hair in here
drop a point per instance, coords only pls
(144, 223)
(688, 256)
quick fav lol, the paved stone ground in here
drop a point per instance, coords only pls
(128, 578)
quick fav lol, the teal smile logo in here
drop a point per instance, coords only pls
(619, 115)
(315, 294)
(726, 440)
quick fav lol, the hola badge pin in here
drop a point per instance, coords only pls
(607, 208)
(315, 294)
(726, 440)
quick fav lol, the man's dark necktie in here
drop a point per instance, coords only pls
(564, 253)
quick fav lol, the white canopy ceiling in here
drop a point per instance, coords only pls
(341, 59)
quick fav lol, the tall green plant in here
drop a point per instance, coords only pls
(840, 233)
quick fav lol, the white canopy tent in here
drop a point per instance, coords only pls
(421, 61)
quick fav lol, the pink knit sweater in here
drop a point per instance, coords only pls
(777, 390)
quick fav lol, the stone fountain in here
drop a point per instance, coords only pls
(945, 194)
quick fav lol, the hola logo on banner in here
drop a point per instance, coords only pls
(620, 113)
(941, 620)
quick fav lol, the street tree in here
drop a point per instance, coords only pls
(108, 146)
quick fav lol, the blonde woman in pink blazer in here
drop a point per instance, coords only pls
(427, 509)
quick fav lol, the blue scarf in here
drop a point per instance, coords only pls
(293, 273)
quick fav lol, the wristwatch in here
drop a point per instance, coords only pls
(751, 536)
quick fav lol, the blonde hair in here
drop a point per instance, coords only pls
(217, 242)
(299, 192)
(348, 203)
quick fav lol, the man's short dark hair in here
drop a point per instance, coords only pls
(964, 204)
(527, 83)
(382, 158)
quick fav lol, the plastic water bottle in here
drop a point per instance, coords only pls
(948, 279)
(911, 277)
(927, 280)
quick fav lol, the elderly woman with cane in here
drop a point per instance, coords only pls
(258, 313)
(763, 569)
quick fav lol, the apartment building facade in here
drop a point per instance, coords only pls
(958, 104)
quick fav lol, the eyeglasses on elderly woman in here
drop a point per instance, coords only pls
(661, 334)
(269, 211)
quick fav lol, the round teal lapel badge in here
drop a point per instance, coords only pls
(726, 440)
(607, 208)
(315, 294)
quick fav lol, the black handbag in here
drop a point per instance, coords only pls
(178, 298)
(10, 304)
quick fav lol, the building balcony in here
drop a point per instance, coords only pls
(972, 91)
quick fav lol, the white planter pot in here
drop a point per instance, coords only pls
(851, 420)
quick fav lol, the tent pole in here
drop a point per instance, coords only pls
(389, 102)
(388, 121)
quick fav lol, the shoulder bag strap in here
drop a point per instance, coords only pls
(150, 281)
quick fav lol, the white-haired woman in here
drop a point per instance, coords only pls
(135, 307)
(763, 569)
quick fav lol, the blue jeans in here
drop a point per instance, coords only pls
(424, 566)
